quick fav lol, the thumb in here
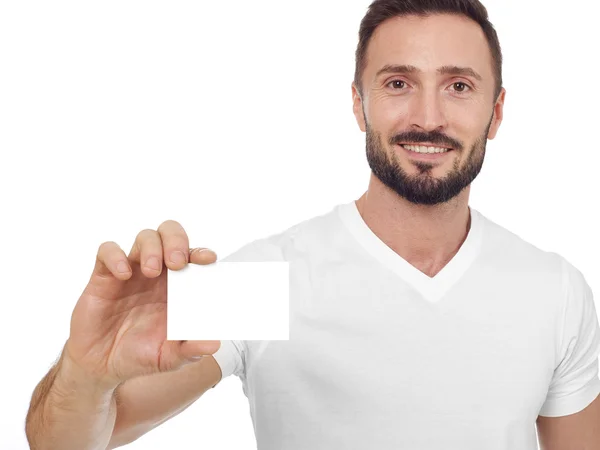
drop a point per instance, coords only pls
(175, 354)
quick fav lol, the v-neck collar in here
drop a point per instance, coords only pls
(431, 288)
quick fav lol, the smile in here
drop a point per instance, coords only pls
(425, 149)
(421, 153)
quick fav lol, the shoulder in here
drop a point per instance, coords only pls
(284, 245)
(511, 252)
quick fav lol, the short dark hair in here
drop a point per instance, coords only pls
(382, 10)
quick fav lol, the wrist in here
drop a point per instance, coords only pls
(73, 377)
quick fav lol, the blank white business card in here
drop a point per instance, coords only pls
(229, 301)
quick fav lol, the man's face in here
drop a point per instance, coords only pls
(455, 110)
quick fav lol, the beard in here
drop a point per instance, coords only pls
(423, 188)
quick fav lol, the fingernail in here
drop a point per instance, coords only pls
(152, 262)
(177, 257)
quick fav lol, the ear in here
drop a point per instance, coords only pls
(498, 114)
(357, 106)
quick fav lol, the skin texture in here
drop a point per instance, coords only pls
(420, 208)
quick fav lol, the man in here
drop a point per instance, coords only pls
(415, 321)
(415, 324)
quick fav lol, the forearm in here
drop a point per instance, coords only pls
(70, 411)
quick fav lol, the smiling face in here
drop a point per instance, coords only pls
(428, 81)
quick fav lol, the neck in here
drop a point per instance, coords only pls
(426, 236)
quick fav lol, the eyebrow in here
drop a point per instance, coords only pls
(444, 70)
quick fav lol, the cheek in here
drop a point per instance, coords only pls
(466, 122)
(390, 117)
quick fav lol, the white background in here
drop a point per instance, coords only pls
(235, 118)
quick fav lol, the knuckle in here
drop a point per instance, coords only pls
(176, 243)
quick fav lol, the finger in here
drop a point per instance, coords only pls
(111, 261)
(175, 244)
(147, 251)
(202, 255)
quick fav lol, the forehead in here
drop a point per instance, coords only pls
(428, 43)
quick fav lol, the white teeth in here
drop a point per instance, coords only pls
(422, 149)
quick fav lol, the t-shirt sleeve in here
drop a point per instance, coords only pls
(575, 383)
(231, 358)
(232, 355)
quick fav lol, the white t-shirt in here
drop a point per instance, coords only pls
(382, 356)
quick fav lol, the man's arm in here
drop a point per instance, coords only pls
(579, 431)
(148, 401)
(68, 412)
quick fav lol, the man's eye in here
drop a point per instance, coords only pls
(464, 84)
(396, 81)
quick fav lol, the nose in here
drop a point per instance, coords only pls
(426, 111)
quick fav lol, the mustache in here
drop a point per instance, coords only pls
(434, 138)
